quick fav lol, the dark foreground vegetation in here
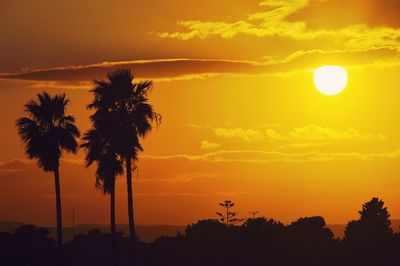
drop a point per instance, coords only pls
(254, 241)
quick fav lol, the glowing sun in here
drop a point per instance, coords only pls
(330, 80)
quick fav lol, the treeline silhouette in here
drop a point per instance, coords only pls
(368, 240)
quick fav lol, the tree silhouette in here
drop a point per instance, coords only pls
(46, 132)
(262, 227)
(123, 114)
(259, 241)
(92, 248)
(28, 245)
(206, 230)
(109, 165)
(253, 214)
(229, 217)
(309, 241)
(373, 226)
(309, 231)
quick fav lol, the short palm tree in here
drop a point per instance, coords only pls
(46, 132)
(109, 166)
(123, 113)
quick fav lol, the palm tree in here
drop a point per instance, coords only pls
(109, 166)
(123, 113)
(46, 132)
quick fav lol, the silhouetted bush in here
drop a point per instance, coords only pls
(370, 238)
(373, 225)
(206, 230)
(308, 241)
(27, 246)
(258, 241)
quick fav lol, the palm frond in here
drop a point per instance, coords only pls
(46, 131)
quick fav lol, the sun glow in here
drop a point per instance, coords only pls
(330, 80)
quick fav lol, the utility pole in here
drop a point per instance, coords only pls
(73, 224)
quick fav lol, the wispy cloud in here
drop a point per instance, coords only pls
(14, 165)
(315, 135)
(181, 177)
(272, 21)
(206, 145)
(268, 23)
(239, 133)
(299, 137)
(166, 70)
(188, 194)
(163, 68)
(245, 134)
(260, 156)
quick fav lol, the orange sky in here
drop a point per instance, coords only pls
(241, 117)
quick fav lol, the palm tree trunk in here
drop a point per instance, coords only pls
(59, 217)
(132, 234)
(113, 226)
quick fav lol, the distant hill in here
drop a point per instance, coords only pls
(7, 226)
(148, 233)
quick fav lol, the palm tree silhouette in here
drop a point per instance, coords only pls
(46, 132)
(123, 114)
(109, 166)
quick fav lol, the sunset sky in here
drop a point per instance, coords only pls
(233, 81)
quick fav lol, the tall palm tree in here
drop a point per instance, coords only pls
(46, 132)
(124, 114)
(109, 166)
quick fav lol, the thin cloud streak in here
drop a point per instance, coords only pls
(259, 156)
(163, 68)
(184, 194)
(166, 70)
